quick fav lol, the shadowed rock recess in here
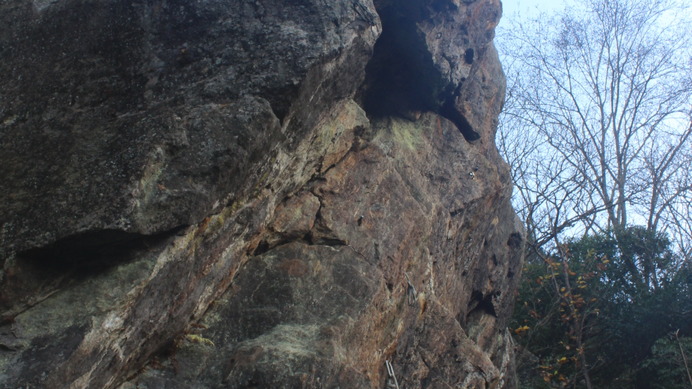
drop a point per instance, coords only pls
(253, 194)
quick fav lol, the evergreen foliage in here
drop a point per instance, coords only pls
(580, 304)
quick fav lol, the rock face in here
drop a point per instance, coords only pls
(255, 193)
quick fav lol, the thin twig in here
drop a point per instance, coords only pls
(684, 358)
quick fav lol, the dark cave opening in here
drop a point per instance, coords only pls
(401, 78)
(468, 56)
(93, 250)
(481, 303)
(39, 272)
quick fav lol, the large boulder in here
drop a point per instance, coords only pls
(253, 194)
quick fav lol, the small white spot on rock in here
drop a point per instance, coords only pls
(113, 322)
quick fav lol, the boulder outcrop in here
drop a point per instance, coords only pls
(253, 194)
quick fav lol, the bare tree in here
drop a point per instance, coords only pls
(597, 121)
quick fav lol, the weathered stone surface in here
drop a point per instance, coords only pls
(144, 116)
(253, 194)
(329, 306)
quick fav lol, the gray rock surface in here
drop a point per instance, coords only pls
(143, 116)
(253, 194)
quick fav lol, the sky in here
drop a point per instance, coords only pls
(516, 11)
(525, 9)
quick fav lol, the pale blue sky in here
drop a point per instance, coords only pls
(513, 9)
(526, 9)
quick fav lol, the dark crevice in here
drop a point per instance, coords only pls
(468, 56)
(443, 6)
(515, 240)
(39, 273)
(93, 249)
(456, 212)
(308, 239)
(481, 303)
(327, 241)
(401, 78)
(450, 112)
(320, 235)
(263, 247)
